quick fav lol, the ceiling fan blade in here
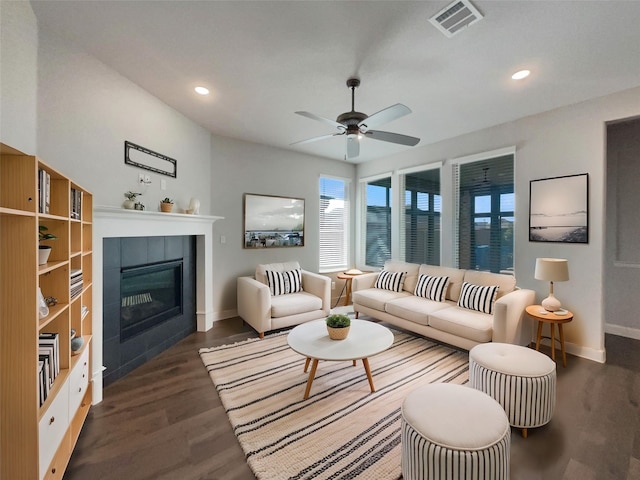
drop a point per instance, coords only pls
(392, 137)
(313, 116)
(353, 147)
(387, 115)
(315, 139)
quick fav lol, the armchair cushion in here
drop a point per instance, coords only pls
(281, 283)
(261, 270)
(294, 303)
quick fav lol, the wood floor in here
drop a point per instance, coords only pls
(164, 421)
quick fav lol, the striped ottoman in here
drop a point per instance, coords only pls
(520, 379)
(454, 432)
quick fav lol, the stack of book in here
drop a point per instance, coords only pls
(75, 283)
(44, 191)
(76, 203)
(48, 363)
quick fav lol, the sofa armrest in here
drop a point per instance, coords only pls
(364, 281)
(320, 286)
(254, 303)
(510, 322)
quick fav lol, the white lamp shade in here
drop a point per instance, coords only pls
(552, 269)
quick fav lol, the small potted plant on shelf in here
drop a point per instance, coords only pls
(130, 202)
(338, 326)
(166, 204)
(44, 250)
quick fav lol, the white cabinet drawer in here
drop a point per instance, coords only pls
(52, 427)
(78, 382)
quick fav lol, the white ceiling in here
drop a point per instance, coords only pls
(264, 60)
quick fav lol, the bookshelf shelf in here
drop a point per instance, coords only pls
(42, 413)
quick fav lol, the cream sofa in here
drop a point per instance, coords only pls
(445, 321)
(266, 312)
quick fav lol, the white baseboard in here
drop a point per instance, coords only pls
(577, 350)
(217, 316)
(622, 331)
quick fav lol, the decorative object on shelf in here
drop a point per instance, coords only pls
(166, 204)
(51, 301)
(559, 209)
(552, 270)
(338, 326)
(130, 202)
(44, 250)
(194, 207)
(76, 342)
(43, 309)
(139, 206)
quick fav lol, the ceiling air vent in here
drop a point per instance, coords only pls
(455, 17)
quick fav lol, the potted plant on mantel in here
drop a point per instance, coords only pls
(130, 202)
(166, 205)
(44, 250)
(338, 326)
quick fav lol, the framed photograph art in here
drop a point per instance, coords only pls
(271, 221)
(559, 209)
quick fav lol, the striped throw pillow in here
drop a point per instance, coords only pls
(433, 288)
(281, 283)
(476, 297)
(393, 281)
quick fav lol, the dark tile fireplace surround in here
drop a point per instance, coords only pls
(127, 342)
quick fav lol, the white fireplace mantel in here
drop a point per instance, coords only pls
(110, 222)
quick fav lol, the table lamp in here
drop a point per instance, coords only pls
(552, 270)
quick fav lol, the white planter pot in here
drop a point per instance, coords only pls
(43, 254)
(129, 204)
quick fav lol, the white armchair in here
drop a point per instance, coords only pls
(266, 312)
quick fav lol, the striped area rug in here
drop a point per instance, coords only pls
(343, 431)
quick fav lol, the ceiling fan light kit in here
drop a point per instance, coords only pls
(357, 125)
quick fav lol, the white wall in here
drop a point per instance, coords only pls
(240, 167)
(565, 141)
(18, 80)
(85, 113)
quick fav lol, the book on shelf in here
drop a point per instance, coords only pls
(45, 382)
(42, 389)
(48, 344)
(76, 204)
(44, 191)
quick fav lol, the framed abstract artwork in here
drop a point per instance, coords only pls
(559, 209)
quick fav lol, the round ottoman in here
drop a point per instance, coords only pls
(520, 379)
(454, 432)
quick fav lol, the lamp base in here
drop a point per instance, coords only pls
(551, 303)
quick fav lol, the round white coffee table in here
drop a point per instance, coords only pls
(365, 340)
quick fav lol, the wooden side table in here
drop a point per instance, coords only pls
(347, 278)
(542, 316)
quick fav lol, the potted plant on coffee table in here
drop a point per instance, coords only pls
(44, 250)
(166, 204)
(338, 326)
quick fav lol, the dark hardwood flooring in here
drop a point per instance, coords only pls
(164, 421)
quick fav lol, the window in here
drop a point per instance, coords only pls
(420, 224)
(334, 224)
(485, 214)
(377, 223)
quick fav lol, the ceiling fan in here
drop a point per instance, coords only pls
(356, 125)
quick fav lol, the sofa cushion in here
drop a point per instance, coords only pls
(478, 297)
(261, 275)
(464, 323)
(507, 283)
(282, 283)
(294, 303)
(393, 281)
(431, 288)
(455, 275)
(415, 309)
(376, 297)
(411, 270)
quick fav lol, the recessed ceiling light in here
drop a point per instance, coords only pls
(520, 75)
(202, 90)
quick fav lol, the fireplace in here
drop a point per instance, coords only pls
(149, 295)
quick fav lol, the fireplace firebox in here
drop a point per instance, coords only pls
(150, 294)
